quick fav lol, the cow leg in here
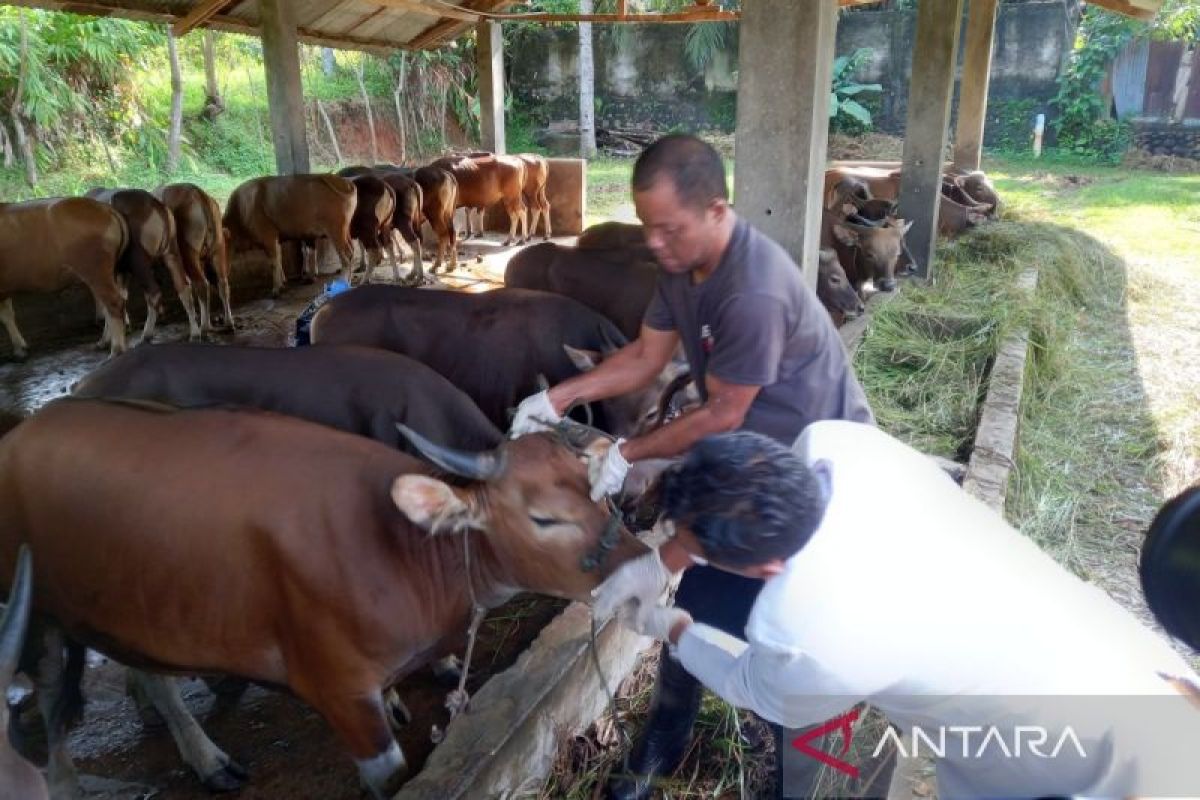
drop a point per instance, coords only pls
(54, 704)
(360, 719)
(515, 212)
(193, 271)
(114, 315)
(216, 770)
(174, 264)
(9, 319)
(152, 304)
(417, 274)
(545, 209)
(275, 253)
(345, 251)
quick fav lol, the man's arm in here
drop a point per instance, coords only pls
(725, 410)
(629, 369)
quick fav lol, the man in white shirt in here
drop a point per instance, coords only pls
(887, 583)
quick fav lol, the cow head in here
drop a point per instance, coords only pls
(981, 191)
(834, 289)
(637, 412)
(878, 248)
(529, 497)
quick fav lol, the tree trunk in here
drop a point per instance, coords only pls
(174, 132)
(213, 104)
(587, 86)
(401, 77)
(1182, 80)
(24, 144)
(337, 151)
(328, 65)
(362, 87)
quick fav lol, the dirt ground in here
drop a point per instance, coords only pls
(286, 747)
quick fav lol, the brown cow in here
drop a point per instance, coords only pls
(834, 289)
(980, 191)
(334, 592)
(407, 218)
(46, 244)
(877, 182)
(152, 240)
(262, 212)
(440, 192)
(371, 224)
(866, 252)
(485, 181)
(537, 174)
(954, 216)
(19, 780)
(201, 244)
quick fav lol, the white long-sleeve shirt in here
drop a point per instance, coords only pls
(917, 598)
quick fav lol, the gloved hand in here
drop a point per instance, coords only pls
(644, 579)
(653, 620)
(607, 473)
(535, 413)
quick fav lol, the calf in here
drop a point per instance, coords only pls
(371, 224)
(19, 780)
(354, 389)
(152, 240)
(834, 289)
(493, 345)
(866, 252)
(331, 592)
(201, 240)
(262, 212)
(537, 174)
(47, 244)
(485, 181)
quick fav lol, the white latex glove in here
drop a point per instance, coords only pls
(535, 413)
(643, 579)
(607, 473)
(653, 620)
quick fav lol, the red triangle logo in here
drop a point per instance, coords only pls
(845, 724)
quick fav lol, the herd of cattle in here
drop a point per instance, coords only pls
(345, 509)
(113, 237)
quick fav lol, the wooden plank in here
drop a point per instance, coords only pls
(973, 87)
(428, 10)
(199, 13)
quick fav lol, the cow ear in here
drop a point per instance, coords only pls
(434, 506)
(844, 235)
(584, 360)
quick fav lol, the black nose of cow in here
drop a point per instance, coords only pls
(887, 285)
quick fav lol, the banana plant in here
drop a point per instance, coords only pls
(845, 88)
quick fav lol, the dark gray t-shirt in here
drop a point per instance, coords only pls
(755, 323)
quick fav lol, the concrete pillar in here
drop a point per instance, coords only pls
(929, 92)
(973, 88)
(285, 92)
(489, 50)
(785, 60)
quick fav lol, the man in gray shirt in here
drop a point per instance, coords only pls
(764, 355)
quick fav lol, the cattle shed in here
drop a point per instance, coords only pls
(785, 62)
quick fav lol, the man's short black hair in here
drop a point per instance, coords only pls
(694, 167)
(746, 498)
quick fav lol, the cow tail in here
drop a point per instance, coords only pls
(126, 237)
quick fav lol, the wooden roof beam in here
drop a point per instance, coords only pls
(429, 10)
(199, 14)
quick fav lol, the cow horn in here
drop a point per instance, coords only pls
(483, 466)
(16, 617)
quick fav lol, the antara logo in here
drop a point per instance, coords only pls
(991, 741)
(845, 724)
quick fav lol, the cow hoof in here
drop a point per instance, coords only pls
(229, 778)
